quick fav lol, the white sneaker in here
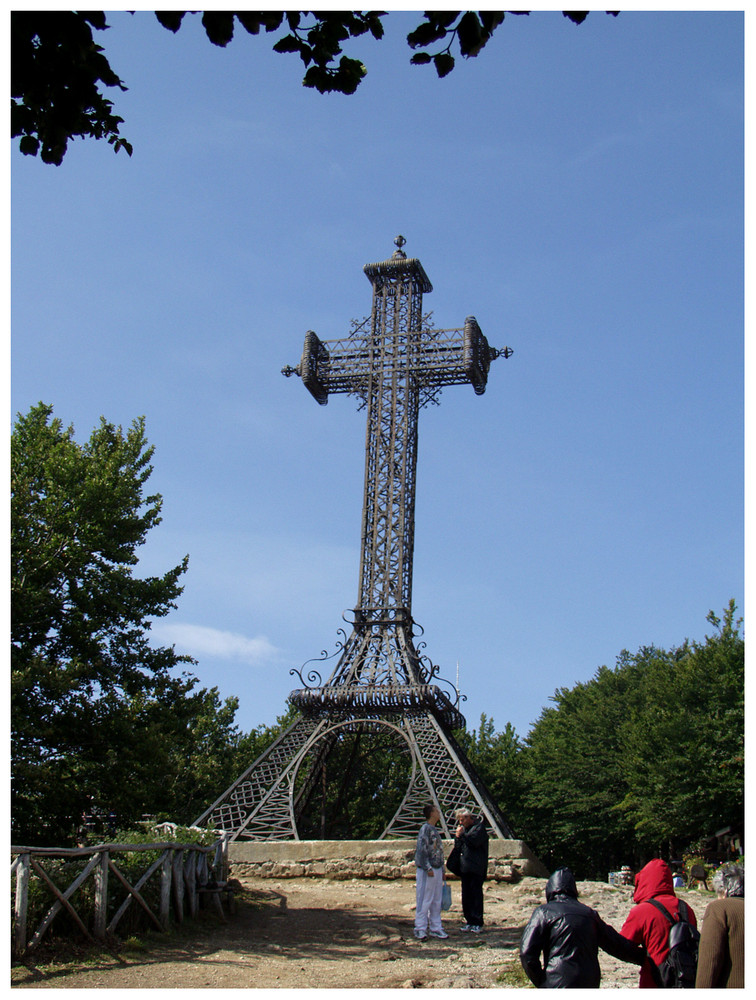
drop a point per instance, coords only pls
(439, 934)
(421, 936)
(476, 928)
(465, 927)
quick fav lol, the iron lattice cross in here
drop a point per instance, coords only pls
(395, 363)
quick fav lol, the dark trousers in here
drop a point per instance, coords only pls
(472, 899)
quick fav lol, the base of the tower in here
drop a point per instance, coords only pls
(508, 860)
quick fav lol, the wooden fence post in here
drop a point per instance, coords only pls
(21, 904)
(190, 867)
(165, 889)
(202, 871)
(221, 857)
(178, 885)
(101, 896)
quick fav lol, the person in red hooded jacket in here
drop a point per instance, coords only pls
(645, 924)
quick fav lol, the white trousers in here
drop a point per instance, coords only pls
(428, 889)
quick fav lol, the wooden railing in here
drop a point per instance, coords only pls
(184, 872)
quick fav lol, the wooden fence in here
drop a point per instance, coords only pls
(185, 872)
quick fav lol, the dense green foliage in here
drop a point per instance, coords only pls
(99, 724)
(572, 769)
(640, 761)
(57, 68)
(497, 758)
(360, 786)
(684, 743)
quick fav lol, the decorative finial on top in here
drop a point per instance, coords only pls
(399, 242)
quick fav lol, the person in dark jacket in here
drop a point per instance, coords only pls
(472, 838)
(569, 935)
(646, 925)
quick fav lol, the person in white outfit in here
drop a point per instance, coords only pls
(429, 883)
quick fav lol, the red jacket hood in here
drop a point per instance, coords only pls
(655, 879)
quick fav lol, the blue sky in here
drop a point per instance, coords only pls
(579, 189)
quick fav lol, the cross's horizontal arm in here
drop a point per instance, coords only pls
(432, 358)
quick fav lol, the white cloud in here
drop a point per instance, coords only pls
(199, 640)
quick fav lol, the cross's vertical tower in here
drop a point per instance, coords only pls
(394, 363)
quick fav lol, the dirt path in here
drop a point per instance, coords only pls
(298, 933)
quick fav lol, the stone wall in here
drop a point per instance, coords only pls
(508, 861)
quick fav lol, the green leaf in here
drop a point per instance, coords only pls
(54, 154)
(29, 145)
(470, 34)
(444, 63)
(124, 144)
(289, 43)
(426, 34)
(252, 21)
(219, 26)
(170, 19)
(576, 16)
(491, 19)
(376, 26)
(317, 77)
(351, 73)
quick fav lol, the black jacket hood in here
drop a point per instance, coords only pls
(561, 883)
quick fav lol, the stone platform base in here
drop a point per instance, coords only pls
(508, 860)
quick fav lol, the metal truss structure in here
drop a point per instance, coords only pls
(394, 363)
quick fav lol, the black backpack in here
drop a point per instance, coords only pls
(678, 970)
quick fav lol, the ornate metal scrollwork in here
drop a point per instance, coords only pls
(314, 678)
(432, 671)
(380, 671)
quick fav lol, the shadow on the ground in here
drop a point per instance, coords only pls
(264, 926)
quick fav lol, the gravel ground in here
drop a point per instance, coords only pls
(356, 934)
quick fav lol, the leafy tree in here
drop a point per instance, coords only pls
(683, 750)
(257, 741)
(640, 760)
(357, 788)
(78, 515)
(206, 760)
(573, 776)
(496, 756)
(83, 672)
(177, 745)
(57, 68)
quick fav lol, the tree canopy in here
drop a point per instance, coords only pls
(641, 761)
(98, 721)
(683, 739)
(58, 70)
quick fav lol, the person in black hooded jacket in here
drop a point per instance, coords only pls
(569, 935)
(472, 839)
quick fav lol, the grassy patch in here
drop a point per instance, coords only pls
(512, 976)
(133, 944)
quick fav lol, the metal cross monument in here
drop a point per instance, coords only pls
(381, 686)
